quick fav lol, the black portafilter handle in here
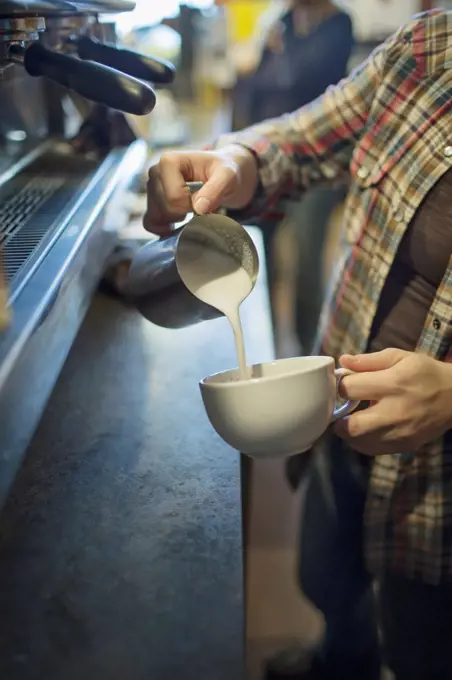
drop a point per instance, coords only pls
(93, 81)
(137, 65)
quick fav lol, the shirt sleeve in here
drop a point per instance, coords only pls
(314, 144)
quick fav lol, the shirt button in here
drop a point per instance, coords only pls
(436, 324)
(329, 172)
(363, 173)
(400, 216)
(448, 151)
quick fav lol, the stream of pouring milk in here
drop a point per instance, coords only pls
(217, 279)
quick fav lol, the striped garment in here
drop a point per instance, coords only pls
(389, 127)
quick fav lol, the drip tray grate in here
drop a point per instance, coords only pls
(32, 206)
(19, 235)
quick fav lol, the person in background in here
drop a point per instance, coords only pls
(304, 51)
(378, 502)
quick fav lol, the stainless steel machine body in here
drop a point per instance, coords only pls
(65, 167)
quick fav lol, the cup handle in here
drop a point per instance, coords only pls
(349, 406)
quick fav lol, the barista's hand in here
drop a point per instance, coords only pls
(230, 179)
(411, 401)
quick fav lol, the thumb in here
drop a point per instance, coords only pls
(209, 198)
(375, 361)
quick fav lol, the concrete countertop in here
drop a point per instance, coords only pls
(120, 545)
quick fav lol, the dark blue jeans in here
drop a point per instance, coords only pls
(415, 618)
(332, 570)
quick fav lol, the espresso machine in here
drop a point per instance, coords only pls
(67, 158)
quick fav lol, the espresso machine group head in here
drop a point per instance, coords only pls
(69, 50)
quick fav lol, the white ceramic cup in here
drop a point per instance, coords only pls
(281, 410)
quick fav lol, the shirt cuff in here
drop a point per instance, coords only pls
(266, 202)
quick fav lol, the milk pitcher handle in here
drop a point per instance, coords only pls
(349, 406)
(193, 188)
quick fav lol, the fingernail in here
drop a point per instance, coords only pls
(202, 205)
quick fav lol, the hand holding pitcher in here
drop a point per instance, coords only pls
(230, 180)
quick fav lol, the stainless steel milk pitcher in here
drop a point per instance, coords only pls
(156, 281)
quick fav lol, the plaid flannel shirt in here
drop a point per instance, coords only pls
(388, 128)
